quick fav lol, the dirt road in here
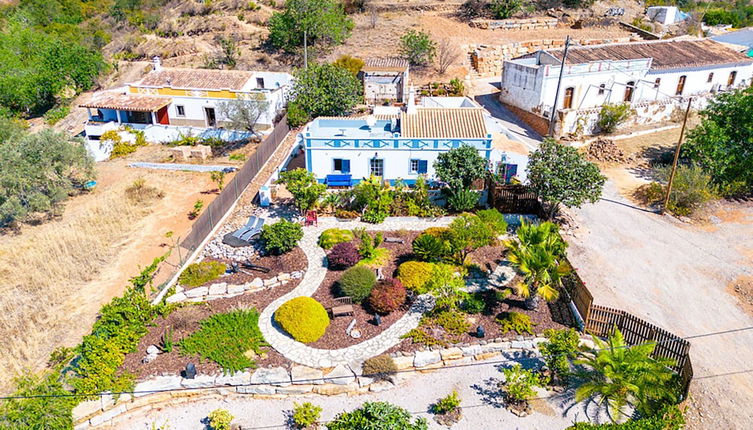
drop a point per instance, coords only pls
(676, 276)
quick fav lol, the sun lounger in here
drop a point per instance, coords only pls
(255, 230)
(243, 235)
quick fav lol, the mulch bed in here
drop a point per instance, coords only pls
(335, 337)
(292, 261)
(185, 321)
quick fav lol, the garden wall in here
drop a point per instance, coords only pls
(515, 24)
(223, 290)
(168, 390)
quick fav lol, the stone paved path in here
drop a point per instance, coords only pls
(312, 357)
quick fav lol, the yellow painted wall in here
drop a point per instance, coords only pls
(214, 94)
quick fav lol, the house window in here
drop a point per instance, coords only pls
(711, 77)
(419, 166)
(732, 77)
(341, 165)
(259, 82)
(508, 171)
(680, 85)
(181, 110)
(376, 167)
(133, 117)
(568, 102)
(657, 82)
(602, 87)
(629, 89)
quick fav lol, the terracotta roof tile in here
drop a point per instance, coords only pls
(444, 123)
(200, 79)
(120, 101)
(385, 64)
(665, 54)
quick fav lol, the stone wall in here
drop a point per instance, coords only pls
(487, 60)
(223, 290)
(277, 382)
(538, 123)
(515, 24)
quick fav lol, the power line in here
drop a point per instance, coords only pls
(518, 360)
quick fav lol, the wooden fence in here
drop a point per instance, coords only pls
(220, 205)
(516, 199)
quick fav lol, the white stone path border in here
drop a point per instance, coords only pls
(315, 273)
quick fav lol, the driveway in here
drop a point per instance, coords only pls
(676, 276)
(485, 91)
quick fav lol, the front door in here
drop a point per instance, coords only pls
(629, 88)
(162, 116)
(568, 102)
(211, 117)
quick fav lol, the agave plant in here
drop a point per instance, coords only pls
(538, 253)
(618, 375)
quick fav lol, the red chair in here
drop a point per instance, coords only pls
(312, 218)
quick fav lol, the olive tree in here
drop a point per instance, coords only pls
(243, 114)
(562, 176)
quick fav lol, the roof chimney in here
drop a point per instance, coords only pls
(412, 100)
(156, 63)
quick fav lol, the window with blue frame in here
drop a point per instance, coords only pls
(341, 165)
(419, 166)
(508, 171)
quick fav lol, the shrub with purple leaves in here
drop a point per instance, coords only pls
(343, 255)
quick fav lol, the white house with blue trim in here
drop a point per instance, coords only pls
(341, 151)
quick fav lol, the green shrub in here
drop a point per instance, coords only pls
(373, 256)
(447, 285)
(504, 9)
(387, 296)
(438, 232)
(351, 64)
(515, 321)
(429, 248)
(377, 416)
(721, 17)
(670, 418)
(357, 283)
(462, 200)
(52, 116)
(226, 338)
(297, 116)
(454, 323)
(691, 189)
(281, 237)
(418, 48)
(494, 221)
(473, 303)
(378, 258)
(420, 337)
(303, 318)
(220, 419)
(375, 198)
(519, 383)
(415, 274)
(198, 274)
(304, 187)
(52, 411)
(380, 367)
(306, 414)
(332, 236)
(611, 116)
(237, 157)
(447, 404)
(561, 347)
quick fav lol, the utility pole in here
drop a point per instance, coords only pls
(305, 50)
(677, 156)
(559, 83)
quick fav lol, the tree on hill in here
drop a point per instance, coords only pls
(722, 143)
(307, 22)
(323, 90)
(562, 176)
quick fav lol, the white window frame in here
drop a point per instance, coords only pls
(371, 168)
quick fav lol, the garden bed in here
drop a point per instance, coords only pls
(185, 321)
(292, 261)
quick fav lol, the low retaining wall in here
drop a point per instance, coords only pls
(514, 24)
(278, 382)
(223, 290)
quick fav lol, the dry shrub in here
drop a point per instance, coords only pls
(380, 367)
(140, 192)
(43, 272)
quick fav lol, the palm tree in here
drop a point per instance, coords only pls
(538, 254)
(619, 375)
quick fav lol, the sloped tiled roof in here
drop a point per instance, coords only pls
(199, 79)
(444, 123)
(393, 64)
(120, 101)
(665, 54)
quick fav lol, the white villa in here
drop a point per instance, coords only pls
(653, 77)
(170, 102)
(342, 151)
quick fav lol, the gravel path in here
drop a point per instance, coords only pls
(319, 358)
(483, 407)
(676, 275)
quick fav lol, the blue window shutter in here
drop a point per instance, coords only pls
(510, 171)
(423, 166)
(346, 166)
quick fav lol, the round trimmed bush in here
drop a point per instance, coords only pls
(357, 283)
(332, 236)
(343, 255)
(415, 274)
(387, 297)
(303, 318)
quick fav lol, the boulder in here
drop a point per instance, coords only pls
(256, 389)
(340, 375)
(256, 283)
(235, 289)
(525, 344)
(218, 289)
(157, 384)
(276, 376)
(403, 363)
(306, 375)
(152, 350)
(425, 358)
(197, 292)
(85, 409)
(283, 277)
(175, 298)
(200, 381)
(451, 353)
(269, 282)
(237, 378)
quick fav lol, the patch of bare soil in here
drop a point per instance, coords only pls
(186, 320)
(742, 289)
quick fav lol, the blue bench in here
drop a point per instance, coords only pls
(338, 180)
